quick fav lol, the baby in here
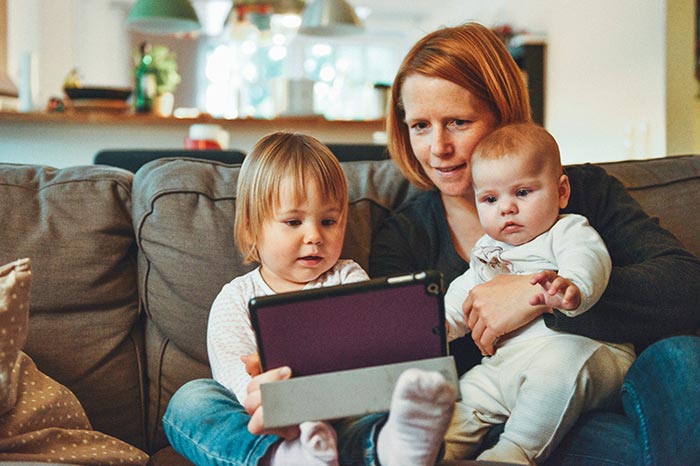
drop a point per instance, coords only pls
(539, 380)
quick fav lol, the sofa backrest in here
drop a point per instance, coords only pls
(667, 188)
(75, 226)
(183, 219)
(82, 227)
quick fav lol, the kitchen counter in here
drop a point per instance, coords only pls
(74, 137)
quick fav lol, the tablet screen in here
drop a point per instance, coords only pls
(380, 321)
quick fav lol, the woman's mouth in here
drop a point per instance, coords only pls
(450, 169)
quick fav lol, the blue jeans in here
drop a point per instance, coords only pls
(206, 424)
(660, 428)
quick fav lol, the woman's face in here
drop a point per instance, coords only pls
(445, 123)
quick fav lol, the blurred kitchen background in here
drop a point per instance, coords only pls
(620, 77)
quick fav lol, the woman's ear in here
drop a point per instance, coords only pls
(564, 191)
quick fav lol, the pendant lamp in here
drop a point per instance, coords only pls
(329, 18)
(163, 17)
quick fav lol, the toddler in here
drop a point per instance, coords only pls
(291, 213)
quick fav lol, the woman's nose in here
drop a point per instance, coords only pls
(440, 144)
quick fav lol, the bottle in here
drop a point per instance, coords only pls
(145, 85)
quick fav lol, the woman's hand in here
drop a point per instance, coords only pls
(499, 306)
(253, 401)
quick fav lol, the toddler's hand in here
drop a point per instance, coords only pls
(253, 401)
(252, 364)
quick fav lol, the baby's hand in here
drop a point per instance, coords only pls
(558, 292)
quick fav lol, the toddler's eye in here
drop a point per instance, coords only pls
(292, 223)
(490, 199)
(522, 192)
(329, 222)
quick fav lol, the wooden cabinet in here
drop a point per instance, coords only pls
(529, 54)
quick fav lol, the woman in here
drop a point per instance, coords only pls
(455, 86)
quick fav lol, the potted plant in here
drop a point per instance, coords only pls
(160, 62)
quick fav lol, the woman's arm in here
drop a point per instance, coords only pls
(655, 283)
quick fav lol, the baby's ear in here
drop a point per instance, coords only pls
(564, 191)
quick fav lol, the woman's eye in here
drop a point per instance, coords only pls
(419, 126)
(459, 123)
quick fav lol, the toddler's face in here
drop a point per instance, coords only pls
(302, 240)
(516, 201)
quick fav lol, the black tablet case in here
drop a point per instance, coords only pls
(381, 321)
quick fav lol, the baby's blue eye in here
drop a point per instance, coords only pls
(522, 192)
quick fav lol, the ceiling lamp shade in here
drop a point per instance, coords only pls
(163, 17)
(329, 18)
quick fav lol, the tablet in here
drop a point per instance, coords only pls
(380, 321)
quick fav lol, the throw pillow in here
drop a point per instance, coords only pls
(40, 419)
(15, 281)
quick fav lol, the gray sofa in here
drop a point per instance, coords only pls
(126, 266)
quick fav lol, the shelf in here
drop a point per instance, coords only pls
(128, 118)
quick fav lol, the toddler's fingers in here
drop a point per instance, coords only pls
(252, 364)
(252, 401)
(255, 425)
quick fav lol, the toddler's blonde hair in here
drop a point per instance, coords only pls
(275, 158)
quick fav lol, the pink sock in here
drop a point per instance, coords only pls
(316, 446)
(421, 411)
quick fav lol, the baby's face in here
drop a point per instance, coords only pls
(516, 200)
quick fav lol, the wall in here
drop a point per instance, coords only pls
(605, 83)
(682, 86)
(607, 93)
(62, 34)
(54, 141)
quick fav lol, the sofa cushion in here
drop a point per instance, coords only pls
(75, 226)
(663, 187)
(183, 219)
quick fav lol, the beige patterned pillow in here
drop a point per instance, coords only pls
(40, 419)
(15, 283)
